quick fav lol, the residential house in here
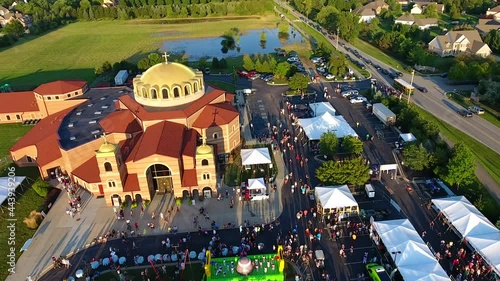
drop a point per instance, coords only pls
(486, 25)
(494, 13)
(369, 11)
(405, 19)
(7, 16)
(427, 23)
(455, 42)
(419, 7)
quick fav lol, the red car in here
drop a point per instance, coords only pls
(242, 73)
(251, 74)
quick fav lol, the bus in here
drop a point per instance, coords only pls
(404, 87)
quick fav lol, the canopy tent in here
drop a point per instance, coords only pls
(255, 156)
(316, 126)
(255, 184)
(408, 137)
(319, 108)
(333, 197)
(473, 226)
(414, 260)
(7, 183)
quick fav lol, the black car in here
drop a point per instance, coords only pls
(465, 113)
(385, 71)
(399, 73)
(377, 67)
(422, 89)
(444, 75)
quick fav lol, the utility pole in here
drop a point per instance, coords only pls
(411, 84)
(337, 38)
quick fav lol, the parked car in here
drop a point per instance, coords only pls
(329, 76)
(399, 74)
(422, 89)
(476, 109)
(321, 69)
(255, 76)
(385, 71)
(269, 78)
(377, 67)
(316, 59)
(377, 272)
(444, 75)
(357, 99)
(207, 71)
(465, 113)
(292, 59)
(251, 74)
(242, 73)
(347, 94)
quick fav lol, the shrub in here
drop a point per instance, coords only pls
(41, 187)
(147, 203)
(133, 205)
(33, 220)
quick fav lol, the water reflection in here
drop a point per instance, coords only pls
(229, 46)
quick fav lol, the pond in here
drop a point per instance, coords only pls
(249, 43)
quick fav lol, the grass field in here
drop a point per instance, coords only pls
(489, 115)
(376, 53)
(10, 133)
(73, 51)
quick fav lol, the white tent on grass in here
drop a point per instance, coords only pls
(316, 126)
(257, 184)
(7, 183)
(320, 108)
(336, 197)
(255, 156)
(482, 235)
(408, 137)
(414, 259)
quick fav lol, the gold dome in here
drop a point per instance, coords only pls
(204, 149)
(167, 73)
(107, 147)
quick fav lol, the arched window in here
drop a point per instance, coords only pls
(215, 136)
(206, 176)
(144, 93)
(111, 183)
(195, 86)
(164, 93)
(177, 92)
(154, 94)
(108, 167)
(187, 90)
(204, 162)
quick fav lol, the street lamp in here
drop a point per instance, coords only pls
(338, 38)
(395, 253)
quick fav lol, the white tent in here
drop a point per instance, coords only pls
(319, 108)
(408, 137)
(332, 197)
(414, 260)
(483, 236)
(255, 156)
(7, 183)
(316, 126)
(256, 184)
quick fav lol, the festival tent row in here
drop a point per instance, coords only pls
(467, 220)
(317, 126)
(413, 258)
(336, 199)
(255, 156)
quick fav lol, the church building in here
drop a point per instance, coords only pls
(164, 135)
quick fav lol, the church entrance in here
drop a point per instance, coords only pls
(159, 179)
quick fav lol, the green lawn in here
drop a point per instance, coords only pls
(489, 115)
(10, 133)
(377, 53)
(26, 201)
(73, 51)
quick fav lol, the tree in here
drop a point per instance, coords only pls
(154, 58)
(248, 63)
(493, 40)
(348, 25)
(215, 63)
(459, 71)
(202, 63)
(143, 64)
(352, 171)
(416, 157)
(284, 28)
(490, 91)
(328, 143)
(263, 36)
(41, 187)
(337, 65)
(282, 69)
(324, 14)
(431, 11)
(352, 145)
(222, 63)
(14, 28)
(298, 82)
(461, 166)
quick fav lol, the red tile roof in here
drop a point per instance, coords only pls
(60, 87)
(164, 138)
(47, 127)
(138, 110)
(121, 121)
(131, 183)
(189, 143)
(48, 150)
(216, 115)
(18, 102)
(88, 171)
(189, 178)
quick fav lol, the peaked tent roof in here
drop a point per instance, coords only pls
(255, 156)
(316, 126)
(320, 108)
(258, 183)
(335, 197)
(487, 245)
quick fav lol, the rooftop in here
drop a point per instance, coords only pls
(60, 87)
(18, 102)
(82, 124)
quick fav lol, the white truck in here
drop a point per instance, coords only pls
(370, 191)
(384, 114)
(121, 77)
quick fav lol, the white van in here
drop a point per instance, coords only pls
(370, 191)
(476, 109)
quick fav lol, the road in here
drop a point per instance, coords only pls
(436, 103)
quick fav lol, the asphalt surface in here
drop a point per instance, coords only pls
(435, 101)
